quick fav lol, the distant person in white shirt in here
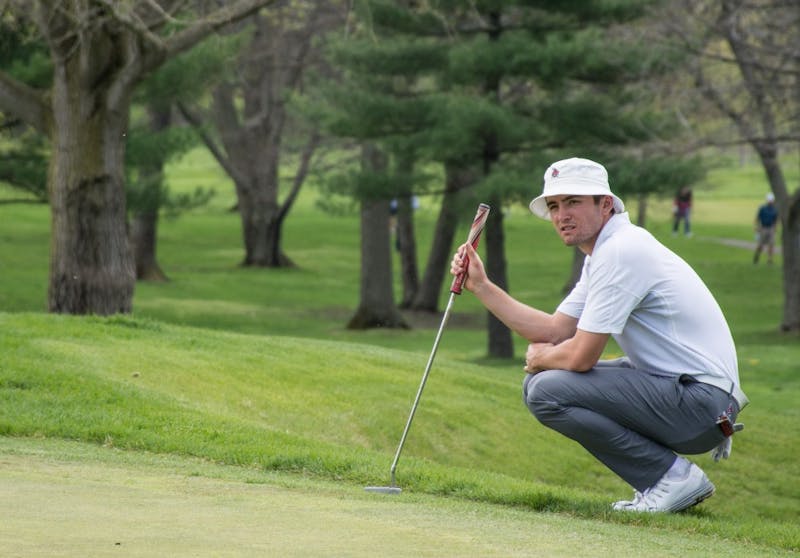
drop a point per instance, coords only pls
(677, 389)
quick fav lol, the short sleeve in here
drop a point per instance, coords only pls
(573, 304)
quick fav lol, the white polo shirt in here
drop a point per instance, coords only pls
(655, 306)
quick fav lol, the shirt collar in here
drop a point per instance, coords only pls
(617, 222)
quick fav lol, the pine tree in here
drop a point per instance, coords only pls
(496, 90)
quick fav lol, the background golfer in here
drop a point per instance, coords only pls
(676, 390)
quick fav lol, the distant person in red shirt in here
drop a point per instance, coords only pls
(682, 207)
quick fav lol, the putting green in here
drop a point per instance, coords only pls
(65, 499)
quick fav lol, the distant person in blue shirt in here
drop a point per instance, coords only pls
(765, 225)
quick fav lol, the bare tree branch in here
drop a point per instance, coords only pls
(302, 172)
(130, 20)
(197, 124)
(163, 15)
(24, 102)
(200, 29)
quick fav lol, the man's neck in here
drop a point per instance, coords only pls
(588, 246)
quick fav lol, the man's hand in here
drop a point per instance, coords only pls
(579, 353)
(467, 259)
(534, 350)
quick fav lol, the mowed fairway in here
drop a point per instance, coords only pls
(68, 499)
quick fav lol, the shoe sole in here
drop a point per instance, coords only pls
(705, 492)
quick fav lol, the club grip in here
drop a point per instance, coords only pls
(473, 238)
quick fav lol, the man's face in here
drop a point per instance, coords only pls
(578, 219)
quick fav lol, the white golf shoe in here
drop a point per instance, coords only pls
(624, 505)
(671, 495)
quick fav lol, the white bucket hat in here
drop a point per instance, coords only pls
(577, 177)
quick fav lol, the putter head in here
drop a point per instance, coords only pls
(384, 489)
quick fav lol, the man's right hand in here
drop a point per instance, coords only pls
(476, 274)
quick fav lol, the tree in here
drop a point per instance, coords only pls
(145, 195)
(500, 88)
(747, 67)
(458, 179)
(388, 95)
(245, 127)
(100, 50)
(151, 145)
(360, 107)
(405, 236)
(376, 301)
(154, 140)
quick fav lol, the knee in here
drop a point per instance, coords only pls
(540, 392)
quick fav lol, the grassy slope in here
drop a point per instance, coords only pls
(295, 391)
(272, 403)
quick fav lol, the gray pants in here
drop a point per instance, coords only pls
(633, 421)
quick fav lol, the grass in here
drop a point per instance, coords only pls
(205, 509)
(272, 404)
(253, 371)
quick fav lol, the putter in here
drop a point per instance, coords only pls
(455, 289)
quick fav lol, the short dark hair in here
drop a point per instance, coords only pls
(598, 197)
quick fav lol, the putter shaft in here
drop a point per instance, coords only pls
(475, 231)
(422, 385)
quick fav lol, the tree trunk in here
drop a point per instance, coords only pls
(791, 266)
(575, 271)
(143, 235)
(407, 244)
(91, 269)
(790, 239)
(262, 227)
(404, 229)
(456, 180)
(376, 306)
(262, 224)
(789, 209)
(501, 343)
(641, 218)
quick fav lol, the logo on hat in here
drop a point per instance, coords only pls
(554, 173)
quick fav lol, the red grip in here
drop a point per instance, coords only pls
(473, 238)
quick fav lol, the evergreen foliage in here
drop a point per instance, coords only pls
(183, 78)
(23, 152)
(508, 85)
(493, 91)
